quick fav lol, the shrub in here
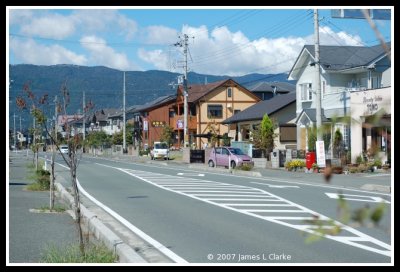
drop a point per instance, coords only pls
(378, 163)
(295, 164)
(42, 178)
(245, 167)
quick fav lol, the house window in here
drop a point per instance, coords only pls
(306, 92)
(214, 111)
(236, 111)
(344, 129)
(229, 92)
(288, 133)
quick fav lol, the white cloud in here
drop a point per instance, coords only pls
(224, 52)
(51, 26)
(328, 37)
(161, 35)
(101, 54)
(157, 57)
(18, 16)
(28, 51)
(100, 20)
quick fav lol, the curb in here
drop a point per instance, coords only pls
(125, 253)
(375, 187)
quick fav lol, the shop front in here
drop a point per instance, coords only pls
(371, 125)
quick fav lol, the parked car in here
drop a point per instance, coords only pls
(160, 150)
(223, 156)
(64, 149)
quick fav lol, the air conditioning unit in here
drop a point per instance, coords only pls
(229, 106)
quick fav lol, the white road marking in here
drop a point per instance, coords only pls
(190, 174)
(276, 186)
(358, 197)
(356, 240)
(167, 252)
(260, 178)
(376, 175)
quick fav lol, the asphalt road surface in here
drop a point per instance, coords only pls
(208, 217)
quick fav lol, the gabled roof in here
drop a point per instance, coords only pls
(281, 87)
(311, 114)
(197, 91)
(337, 58)
(155, 103)
(104, 114)
(257, 111)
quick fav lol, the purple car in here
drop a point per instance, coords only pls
(222, 156)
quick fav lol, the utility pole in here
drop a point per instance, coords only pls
(15, 136)
(184, 43)
(56, 117)
(84, 117)
(123, 129)
(20, 129)
(317, 77)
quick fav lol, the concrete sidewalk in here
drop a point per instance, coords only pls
(30, 233)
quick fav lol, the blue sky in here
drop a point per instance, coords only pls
(226, 41)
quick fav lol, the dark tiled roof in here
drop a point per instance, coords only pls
(312, 113)
(156, 102)
(281, 87)
(345, 57)
(196, 91)
(257, 111)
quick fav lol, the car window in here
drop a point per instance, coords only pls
(225, 151)
(217, 150)
(236, 151)
(161, 146)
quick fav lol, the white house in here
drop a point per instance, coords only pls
(346, 73)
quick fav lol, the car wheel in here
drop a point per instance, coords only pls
(233, 164)
(211, 163)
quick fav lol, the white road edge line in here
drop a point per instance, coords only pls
(167, 252)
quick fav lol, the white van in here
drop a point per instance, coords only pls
(160, 150)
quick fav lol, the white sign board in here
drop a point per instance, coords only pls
(320, 148)
(145, 125)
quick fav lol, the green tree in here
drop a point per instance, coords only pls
(264, 135)
(97, 139)
(337, 143)
(166, 135)
(312, 138)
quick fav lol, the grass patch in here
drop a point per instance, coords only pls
(57, 208)
(42, 178)
(71, 254)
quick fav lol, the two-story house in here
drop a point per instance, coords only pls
(209, 105)
(350, 77)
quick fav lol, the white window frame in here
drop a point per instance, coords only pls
(345, 130)
(306, 93)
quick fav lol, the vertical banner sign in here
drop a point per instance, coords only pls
(320, 148)
(145, 125)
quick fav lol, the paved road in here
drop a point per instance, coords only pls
(209, 217)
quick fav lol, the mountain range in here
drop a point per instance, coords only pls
(103, 86)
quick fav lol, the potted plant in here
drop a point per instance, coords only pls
(315, 167)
